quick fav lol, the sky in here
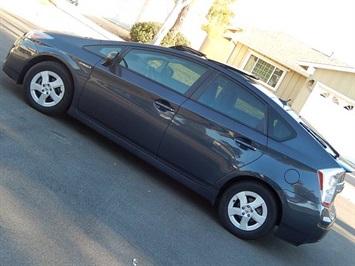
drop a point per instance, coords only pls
(326, 25)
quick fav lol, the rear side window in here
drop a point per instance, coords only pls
(172, 71)
(231, 99)
(279, 129)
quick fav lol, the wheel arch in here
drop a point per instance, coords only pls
(39, 59)
(246, 178)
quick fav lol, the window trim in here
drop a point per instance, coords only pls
(259, 56)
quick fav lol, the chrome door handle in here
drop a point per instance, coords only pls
(245, 142)
(164, 106)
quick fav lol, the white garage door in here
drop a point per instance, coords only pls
(333, 115)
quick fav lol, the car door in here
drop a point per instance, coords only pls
(216, 133)
(137, 97)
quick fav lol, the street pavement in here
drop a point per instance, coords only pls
(60, 15)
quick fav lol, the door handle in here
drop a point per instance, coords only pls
(245, 142)
(164, 106)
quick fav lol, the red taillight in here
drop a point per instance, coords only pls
(328, 181)
(320, 177)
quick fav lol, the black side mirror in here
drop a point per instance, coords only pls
(110, 59)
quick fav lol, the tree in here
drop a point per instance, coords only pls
(218, 17)
(173, 20)
(178, 22)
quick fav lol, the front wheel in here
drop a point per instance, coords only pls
(49, 88)
(248, 210)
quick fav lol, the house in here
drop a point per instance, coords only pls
(320, 88)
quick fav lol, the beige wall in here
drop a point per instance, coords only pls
(218, 49)
(343, 82)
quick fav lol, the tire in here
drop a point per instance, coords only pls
(49, 88)
(248, 210)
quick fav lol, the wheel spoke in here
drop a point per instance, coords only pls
(56, 83)
(242, 198)
(42, 99)
(36, 87)
(257, 202)
(244, 223)
(260, 219)
(55, 97)
(234, 211)
(45, 77)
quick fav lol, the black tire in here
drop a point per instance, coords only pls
(49, 88)
(248, 210)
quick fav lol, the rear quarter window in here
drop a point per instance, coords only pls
(279, 129)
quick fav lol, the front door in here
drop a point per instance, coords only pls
(137, 97)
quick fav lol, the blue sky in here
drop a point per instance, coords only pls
(326, 25)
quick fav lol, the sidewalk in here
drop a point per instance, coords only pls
(44, 14)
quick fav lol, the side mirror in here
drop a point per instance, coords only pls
(110, 59)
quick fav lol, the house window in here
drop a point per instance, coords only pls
(266, 72)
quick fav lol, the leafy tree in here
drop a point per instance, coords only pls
(179, 20)
(218, 17)
(171, 20)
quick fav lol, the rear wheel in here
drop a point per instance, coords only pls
(248, 210)
(49, 88)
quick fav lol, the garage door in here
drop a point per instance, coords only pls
(333, 115)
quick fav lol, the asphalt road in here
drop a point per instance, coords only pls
(70, 197)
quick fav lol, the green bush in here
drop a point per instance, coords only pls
(144, 32)
(172, 39)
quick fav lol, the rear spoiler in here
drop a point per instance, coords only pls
(346, 165)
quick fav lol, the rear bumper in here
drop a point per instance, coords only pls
(304, 221)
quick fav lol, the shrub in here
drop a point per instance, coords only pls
(144, 32)
(172, 39)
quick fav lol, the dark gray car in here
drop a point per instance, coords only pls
(206, 124)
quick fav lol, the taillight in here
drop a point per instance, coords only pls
(328, 182)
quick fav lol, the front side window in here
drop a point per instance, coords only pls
(231, 99)
(172, 71)
(101, 50)
(266, 72)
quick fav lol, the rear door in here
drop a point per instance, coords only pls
(138, 96)
(216, 133)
